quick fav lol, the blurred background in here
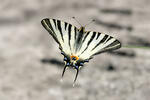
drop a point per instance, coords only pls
(31, 64)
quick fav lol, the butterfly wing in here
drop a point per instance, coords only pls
(68, 37)
(63, 33)
(94, 43)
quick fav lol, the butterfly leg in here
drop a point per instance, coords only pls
(64, 70)
(76, 76)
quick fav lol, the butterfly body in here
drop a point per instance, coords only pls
(77, 45)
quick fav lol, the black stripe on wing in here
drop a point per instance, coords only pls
(54, 22)
(110, 37)
(98, 35)
(85, 36)
(92, 37)
(112, 46)
(116, 43)
(79, 38)
(101, 41)
(75, 30)
(60, 28)
(69, 34)
(47, 25)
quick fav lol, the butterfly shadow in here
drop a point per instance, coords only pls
(52, 61)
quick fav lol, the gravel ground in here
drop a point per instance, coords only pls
(31, 63)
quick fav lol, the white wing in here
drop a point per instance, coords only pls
(82, 44)
(94, 43)
(63, 33)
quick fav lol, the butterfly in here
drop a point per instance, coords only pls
(77, 45)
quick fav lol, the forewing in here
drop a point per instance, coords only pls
(95, 43)
(63, 33)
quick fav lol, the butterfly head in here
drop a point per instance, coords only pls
(74, 62)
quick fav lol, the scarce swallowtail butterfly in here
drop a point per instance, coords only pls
(77, 45)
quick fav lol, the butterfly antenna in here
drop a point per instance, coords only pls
(90, 22)
(136, 46)
(76, 21)
(76, 77)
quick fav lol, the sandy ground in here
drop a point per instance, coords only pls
(31, 63)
